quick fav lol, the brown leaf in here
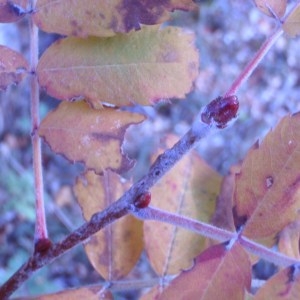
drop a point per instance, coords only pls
(218, 273)
(90, 293)
(105, 18)
(141, 67)
(12, 11)
(93, 137)
(13, 67)
(223, 216)
(267, 195)
(190, 189)
(272, 8)
(115, 250)
(285, 285)
(291, 25)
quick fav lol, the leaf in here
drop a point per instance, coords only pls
(218, 273)
(289, 240)
(91, 293)
(291, 25)
(223, 216)
(93, 137)
(190, 189)
(272, 8)
(13, 67)
(267, 195)
(283, 285)
(12, 11)
(140, 67)
(105, 18)
(115, 250)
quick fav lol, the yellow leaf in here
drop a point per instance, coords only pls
(189, 189)
(115, 250)
(267, 195)
(141, 67)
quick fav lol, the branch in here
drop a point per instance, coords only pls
(207, 230)
(252, 65)
(216, 233)
(41, 234)
(40, 259)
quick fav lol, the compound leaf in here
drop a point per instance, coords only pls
(93, 137)
(105, 18)
(141, 67)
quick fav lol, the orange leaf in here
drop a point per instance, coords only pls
(103, 18)
(218, 273)
(140, 67)
(93, 137)
(291, 25)
(272, 8)
(13, 67)
(283, 285)
(267, 188)
(12, 11)
(115, 250)
(90, 293)
(190, 189)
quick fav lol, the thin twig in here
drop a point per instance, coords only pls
(40, 225)
(252, 65)
(207, 230)
(267, 254)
